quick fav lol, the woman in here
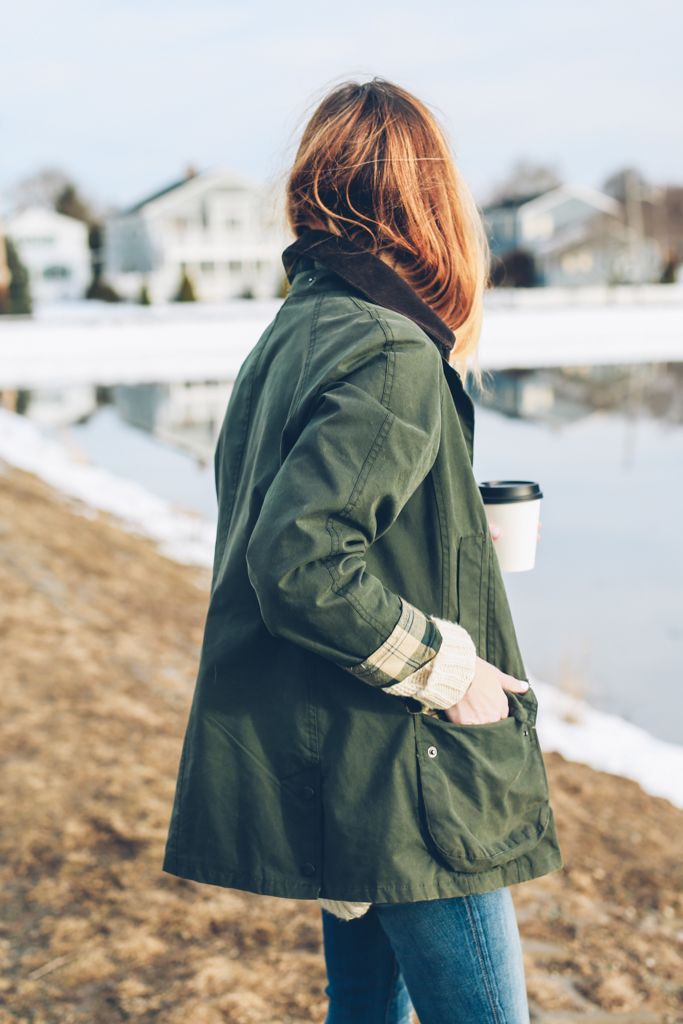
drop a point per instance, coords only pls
(362, 731)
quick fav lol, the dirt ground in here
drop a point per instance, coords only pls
(100, 638)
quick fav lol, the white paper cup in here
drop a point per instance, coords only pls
(515, 506)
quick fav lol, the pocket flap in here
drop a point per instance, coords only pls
(484, 788)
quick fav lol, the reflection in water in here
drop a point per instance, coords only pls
(190, 414)
(600, 613)
(564, 394)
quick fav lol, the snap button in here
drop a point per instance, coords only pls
(307, 792)
(432, 751)
(311, 280)
(308, 868)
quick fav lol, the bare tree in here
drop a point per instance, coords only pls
(54, 189)
(526, 178)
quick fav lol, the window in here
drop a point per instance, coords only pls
(56, 273)
(578, 262)
(538, 227)
(235, 265)
(36, 240)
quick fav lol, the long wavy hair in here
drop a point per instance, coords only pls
(374, 165)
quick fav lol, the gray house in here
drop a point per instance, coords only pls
(574, 235)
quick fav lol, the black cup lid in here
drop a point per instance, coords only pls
(497, 492)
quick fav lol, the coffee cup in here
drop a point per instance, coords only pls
(514, 506)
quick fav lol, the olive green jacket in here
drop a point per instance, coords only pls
(348, 517)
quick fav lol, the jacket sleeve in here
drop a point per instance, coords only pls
(370, 439)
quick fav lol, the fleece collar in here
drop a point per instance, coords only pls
(369, 275)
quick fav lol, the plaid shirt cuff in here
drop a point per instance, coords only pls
(414, 641)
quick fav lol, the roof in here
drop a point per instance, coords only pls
(156, 195)
(513, 202)
(198, 179)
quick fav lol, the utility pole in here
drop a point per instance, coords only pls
(633, 195)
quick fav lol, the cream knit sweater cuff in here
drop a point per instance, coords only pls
(346, 909)
(445, 679)
(439, 683)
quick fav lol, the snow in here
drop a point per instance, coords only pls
(565, 723)
(580, 732)
(180, 535)
(103, 343)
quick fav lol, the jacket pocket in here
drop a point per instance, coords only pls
(483, 788)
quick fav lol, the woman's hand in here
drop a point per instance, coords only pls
(496, 530)
(485, 699)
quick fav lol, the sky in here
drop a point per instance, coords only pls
(124, 95)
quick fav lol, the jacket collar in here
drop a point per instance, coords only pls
(369, 275)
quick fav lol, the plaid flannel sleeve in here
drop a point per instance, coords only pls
(414, 641)
(430, 659)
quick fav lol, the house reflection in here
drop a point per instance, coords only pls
(189, 414)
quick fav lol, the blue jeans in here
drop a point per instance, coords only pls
(455, 961)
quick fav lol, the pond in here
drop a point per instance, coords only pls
(600, 614)
(602, 611)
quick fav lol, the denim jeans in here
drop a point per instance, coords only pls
(455, 961)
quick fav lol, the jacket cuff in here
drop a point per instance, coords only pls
(345, 909)
(413, 642)
(445, 679)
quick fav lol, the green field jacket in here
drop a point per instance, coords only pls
(348, 517)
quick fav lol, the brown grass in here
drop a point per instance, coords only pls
(100, 639)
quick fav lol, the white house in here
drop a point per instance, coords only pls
(226, 232)
(54, 249)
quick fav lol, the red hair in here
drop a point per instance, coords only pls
(374, 166)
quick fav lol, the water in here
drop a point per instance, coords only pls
(600, 615)
(601, 612)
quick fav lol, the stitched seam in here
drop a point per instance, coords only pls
(175, 843)
(443, 538)
(357, 489)
(247, 423)
(390, 985)
(383, 322)
(481, 957)
(312, 338)
(490, 624)
(391, 993)
(384, 327)
(375, 448)
(335, 543)
(368, 463)
(389, 338)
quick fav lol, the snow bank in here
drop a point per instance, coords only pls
(565, 724)
(184, 537)
(583, 733)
